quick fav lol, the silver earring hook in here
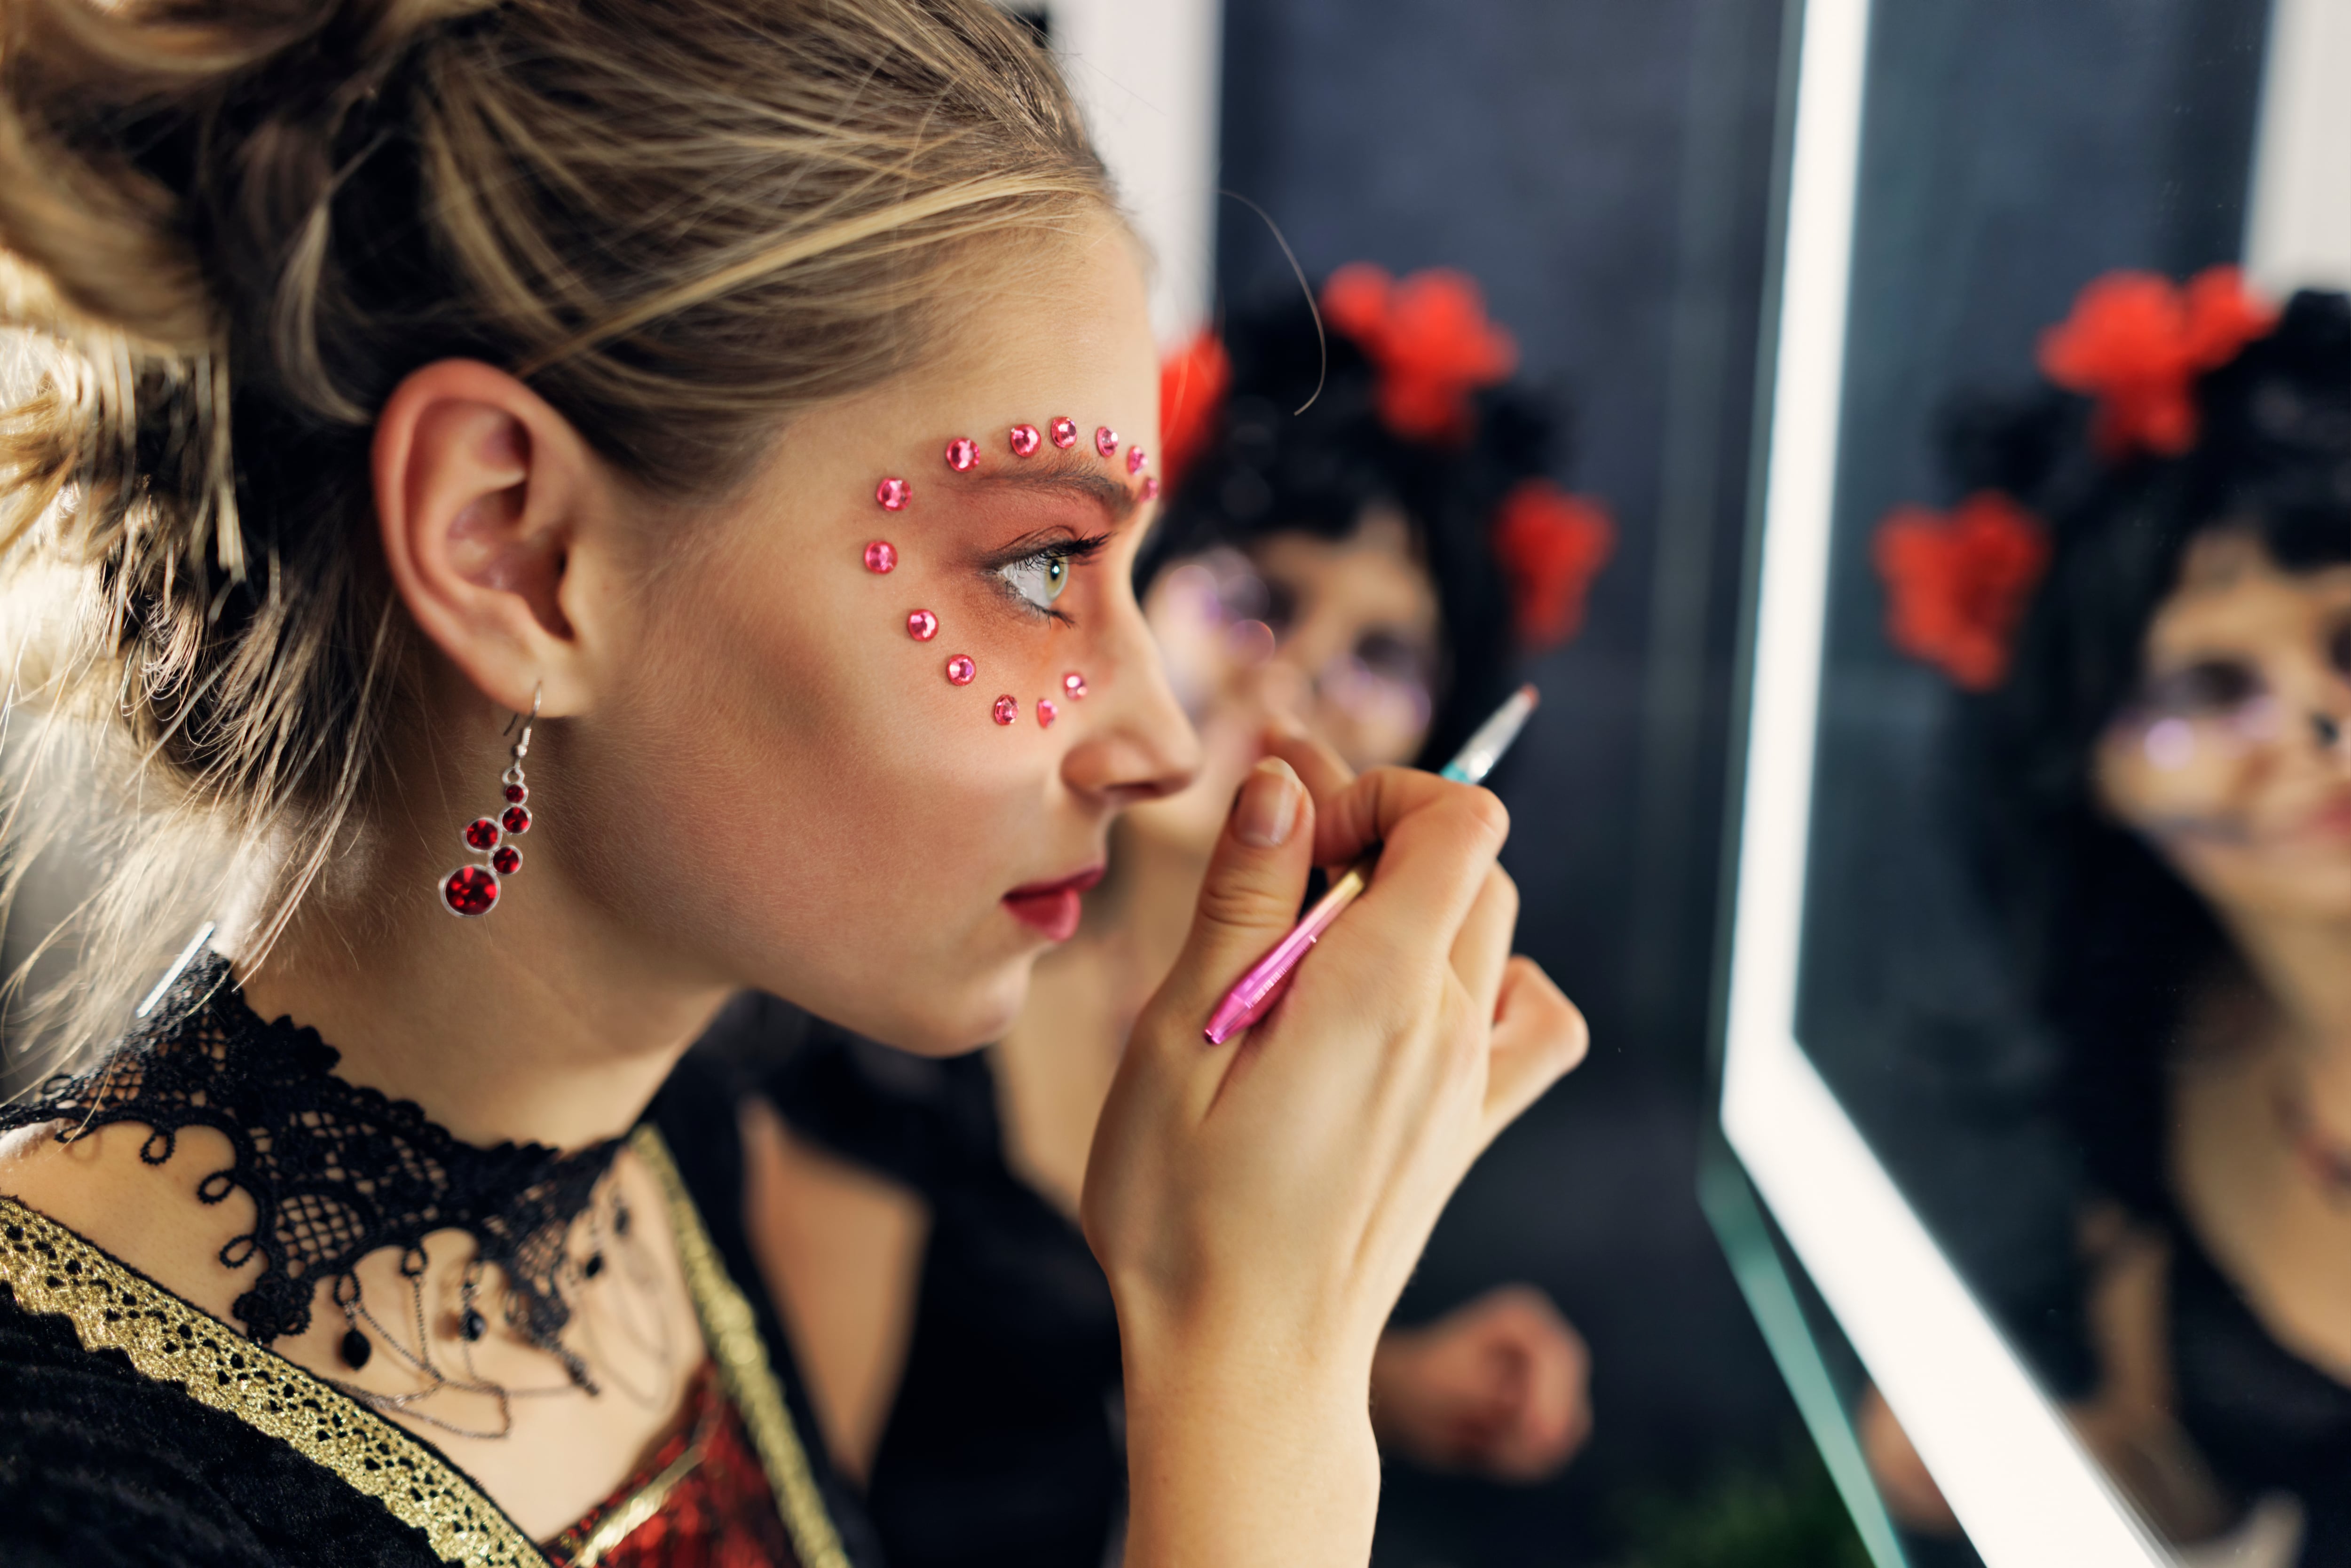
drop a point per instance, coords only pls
(538, 691)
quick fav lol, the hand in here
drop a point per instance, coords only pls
(1499, 1385)
(1259, 1206)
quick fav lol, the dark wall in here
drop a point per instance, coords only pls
(1604, 169)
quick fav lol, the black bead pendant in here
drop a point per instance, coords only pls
(594, 1266)
(355, 1349)
(471, 1326)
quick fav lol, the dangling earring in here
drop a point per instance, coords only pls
(473, 890)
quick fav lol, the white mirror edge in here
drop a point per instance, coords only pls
(2022, 1486)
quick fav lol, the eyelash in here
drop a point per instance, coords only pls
(1072, 552)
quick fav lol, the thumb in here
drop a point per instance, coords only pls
(1256, 878)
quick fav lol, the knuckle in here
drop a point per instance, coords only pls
(1486, 810)
(1236, 903)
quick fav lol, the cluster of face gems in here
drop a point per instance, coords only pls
(963, 454)
(473, 890)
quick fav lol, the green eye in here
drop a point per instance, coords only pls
(1040, 577)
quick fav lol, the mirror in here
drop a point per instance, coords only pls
(2032, 1043)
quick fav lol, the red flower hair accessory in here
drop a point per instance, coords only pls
(1552, 545)
(1957, 586)
(1193, 381)
(2137, 342)
(1429, 338)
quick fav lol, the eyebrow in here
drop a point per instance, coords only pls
(1067, 477)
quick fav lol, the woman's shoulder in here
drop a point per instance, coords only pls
(103, 1462)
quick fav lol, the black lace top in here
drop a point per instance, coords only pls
(336, 1172)
(136, 1431)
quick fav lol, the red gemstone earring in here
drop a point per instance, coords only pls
(473, 890)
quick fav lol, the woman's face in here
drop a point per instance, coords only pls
(1340, 636)
(2232, 758)
(825, 814)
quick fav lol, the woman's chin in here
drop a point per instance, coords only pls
(958, 1021)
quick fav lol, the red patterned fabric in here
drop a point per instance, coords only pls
(1552, 545)
(720, 1514)
(1957, 586)
(1193, 381)
(1429, 338)
(2137, 342)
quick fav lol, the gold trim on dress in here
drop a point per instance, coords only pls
(732, 1333)
(55, 1272)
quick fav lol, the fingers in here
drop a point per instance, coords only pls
(1325, 773)
(1482, 950)
(1538, 1036)
(1256, 878)
(1556, 1414)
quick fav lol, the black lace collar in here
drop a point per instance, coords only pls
(336, 1172)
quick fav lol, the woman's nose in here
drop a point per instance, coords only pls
(1138, 744)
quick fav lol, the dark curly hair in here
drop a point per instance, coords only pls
(2114, 943)
(1267, 470)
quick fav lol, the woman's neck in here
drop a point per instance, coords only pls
(538, 1022)
(2305, 967)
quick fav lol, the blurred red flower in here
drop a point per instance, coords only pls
(1552, 545)
(1957, 586)
(2136, 342)
(1429, 338)
(1193, 381)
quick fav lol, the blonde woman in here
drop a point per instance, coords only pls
(509, 461)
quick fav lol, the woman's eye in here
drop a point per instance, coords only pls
(2338, 649)
(2207, 689)
(1040, 577)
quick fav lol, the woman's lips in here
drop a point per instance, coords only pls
(1052, 907)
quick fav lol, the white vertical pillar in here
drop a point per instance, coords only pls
(2298, 224)
(1146, 73)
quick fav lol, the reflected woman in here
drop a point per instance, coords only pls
(2164, 786)
(1323, 572)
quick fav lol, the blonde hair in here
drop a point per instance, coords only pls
(679, 221)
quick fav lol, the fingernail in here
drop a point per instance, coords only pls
(1267, 810)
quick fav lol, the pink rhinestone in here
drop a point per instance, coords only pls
(1105, 440)
(893, 495)
(1045, 713)
(963, 454)
(1024, 441)
(1151, 487)
(470, 890)
(1006, 709)
(507, 861)
(922, 625)
(516, 819)
(481, 834)
(517, 792)
(960, 670)
(1136, 458)
(1065, 432)
(881, 556)
(1073, 685)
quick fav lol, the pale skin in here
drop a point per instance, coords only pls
(1498, 1385)
(2260, 827)
(748, 775)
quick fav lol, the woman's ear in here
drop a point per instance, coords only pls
(482, 491)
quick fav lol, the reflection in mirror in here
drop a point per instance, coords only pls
(2073, 791)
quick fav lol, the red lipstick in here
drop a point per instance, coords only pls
(1052, 907)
